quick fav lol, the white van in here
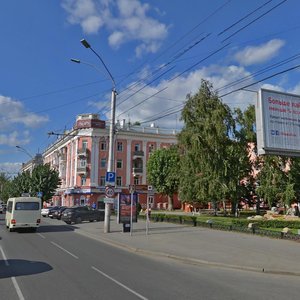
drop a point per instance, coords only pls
(23, 212)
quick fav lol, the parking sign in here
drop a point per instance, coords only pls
(110, 178)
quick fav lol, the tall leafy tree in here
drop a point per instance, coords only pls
(274, 185)
(208, 126)
(4, 186)
(163, 172)
(20, 184)
(42, 179)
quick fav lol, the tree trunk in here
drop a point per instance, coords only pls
(257, 205)
(170, 202)
(224, 208)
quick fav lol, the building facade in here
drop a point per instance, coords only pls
(81, 157)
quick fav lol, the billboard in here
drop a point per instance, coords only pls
(124, 210)
(278, 123)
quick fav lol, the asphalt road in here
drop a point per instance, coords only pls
(58, 263)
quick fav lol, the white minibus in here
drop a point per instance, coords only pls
(23, 212)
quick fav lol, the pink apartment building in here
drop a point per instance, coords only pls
(81, 157)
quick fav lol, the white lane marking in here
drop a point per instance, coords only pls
(42, 236)
(18, 290)
(60, 247)
(4, 257)
(14, 281)
(120, 284)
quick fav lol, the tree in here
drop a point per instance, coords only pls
(20, 184)
(274, 185)
(45, 180)
(203, 142)
(4, 186)
(42, 179)
(163, 172)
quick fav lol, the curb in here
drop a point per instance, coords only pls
(187, 260)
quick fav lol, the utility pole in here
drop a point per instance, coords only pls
(110, 165)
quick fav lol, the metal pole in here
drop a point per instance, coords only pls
(110, 165)
(131, 210)
(147, 216)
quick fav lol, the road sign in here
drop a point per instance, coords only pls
(39, 194)
(110, 177)
(109, 191)
(109, 200)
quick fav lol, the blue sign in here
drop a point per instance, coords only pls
(39, 194)
(110, 177)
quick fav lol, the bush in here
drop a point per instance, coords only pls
(267, 223)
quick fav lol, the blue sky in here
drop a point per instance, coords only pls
(157, 51)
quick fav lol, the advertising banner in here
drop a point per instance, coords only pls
(125, 207)
(278, 123)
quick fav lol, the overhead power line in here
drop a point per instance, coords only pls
(245, 17)
(259, 17)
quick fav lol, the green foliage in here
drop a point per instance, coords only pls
(267, 223)
(274, 185)
(4, 187)
(42, 179)
(162, 172)
(214, 148)
(45, 180)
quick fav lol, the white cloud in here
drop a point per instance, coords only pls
(125, 20)
(15, 138)
(13, 112)
(259, 54)
(10, 168)
(173, 97)
(83, 12)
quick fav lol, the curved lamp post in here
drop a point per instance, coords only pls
(25, 151)
(110, 165)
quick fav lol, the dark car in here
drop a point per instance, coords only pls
(77, 214)
(58, 213)
(52, 210)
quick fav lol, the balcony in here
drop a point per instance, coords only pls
(138, 154)
(82, 152)
(137, 171)
(81, 170)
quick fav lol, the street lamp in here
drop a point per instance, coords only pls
(25, 151)
(110, 165)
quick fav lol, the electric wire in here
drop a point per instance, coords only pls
(245, 17)
(256, 19)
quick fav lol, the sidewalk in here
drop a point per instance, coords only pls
(201, 246)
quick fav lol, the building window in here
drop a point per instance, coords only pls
(136, 180)
(83, 180)
(82, 163)
(84, 145)
(103, 163)
(137, 147)
(103, 146)
(102, 181)
(119, 164)
(119, 181)
(120, 146)
(151, 148)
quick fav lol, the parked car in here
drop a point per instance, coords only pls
(57, 213)
(52, 211)
(45, 211)
(77, 214)
(2, 208)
